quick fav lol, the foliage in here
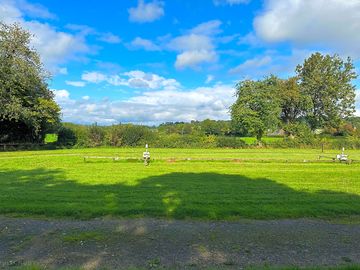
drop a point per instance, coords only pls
(27, 107)
(257, 107)
(230, 142)
(96, 135)
(66, 137)
(327, 80)
(294, 104)
(81, 133)
(300, 132)
(211, 127)
(133, 135)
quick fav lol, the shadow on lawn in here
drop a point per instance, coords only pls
(174, 195)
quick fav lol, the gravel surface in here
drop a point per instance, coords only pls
(154, 243)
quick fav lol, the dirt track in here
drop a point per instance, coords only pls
(152, 243)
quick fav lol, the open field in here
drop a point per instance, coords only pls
(214, 184)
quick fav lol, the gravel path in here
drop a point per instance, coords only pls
(153, 243)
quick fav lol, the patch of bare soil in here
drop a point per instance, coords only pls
(153, 243)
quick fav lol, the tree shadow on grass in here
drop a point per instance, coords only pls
(175, 195)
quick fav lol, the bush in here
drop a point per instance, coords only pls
(230, 142)
(301, 133)
(96, 135)
(113, 136)
(66, 137)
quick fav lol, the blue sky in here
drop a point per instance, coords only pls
(152, 61)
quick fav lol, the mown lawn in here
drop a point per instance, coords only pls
(260, 184)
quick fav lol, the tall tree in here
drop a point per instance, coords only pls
(257, 108)
(327, 80)
(294, 104)
(27, 106)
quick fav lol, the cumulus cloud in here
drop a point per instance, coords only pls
(146, 44)
(194, 47)
(132, 79)
(256, 62)
(76, 83)
(271, 62)
(191, 42)
(209, 28)
(94, 77)
(194, 58)
(333, 24)
(109, 38)
(151, 107)
(146, 12)
(61, 95)
(35, 10)
(230, 2)
(12, 10)
(197, 46)
(55, 47)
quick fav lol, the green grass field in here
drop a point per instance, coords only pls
(179, 183)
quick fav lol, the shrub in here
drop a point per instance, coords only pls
(300, 132)
(96, 135)
(66, 137)
(230, 142)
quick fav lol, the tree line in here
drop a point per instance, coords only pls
(319, 98)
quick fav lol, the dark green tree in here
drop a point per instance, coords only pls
(27, 107)
(257, 108)
(327, 81)
(294, 104)
(66, 137)
(211, 127)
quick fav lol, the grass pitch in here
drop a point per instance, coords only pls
(208, 184)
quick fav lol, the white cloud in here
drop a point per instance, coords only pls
(230, 2)
(209, 79)
(191, 42)
(256, 62)
(85, 97)
(62, 70)
(271, 62)
(109, 38)
(55, 47)
(146, 12)
(93, 77)
(9, 13)
(34, 10)
(76, 83)
(208, 28)
(13, 10)
(132, 79)
(333, 24)
(194, 58)
(197, 46)
(61, 95)
(145, 44)
(153, 107)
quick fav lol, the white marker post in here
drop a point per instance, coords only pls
(146, 155)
